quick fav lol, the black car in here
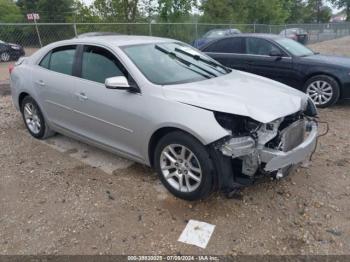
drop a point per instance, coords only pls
(10, 51)
(297, 34)
(324, 78)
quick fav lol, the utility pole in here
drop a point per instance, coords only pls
(37, 31)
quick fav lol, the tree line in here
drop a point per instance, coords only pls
(206, 11)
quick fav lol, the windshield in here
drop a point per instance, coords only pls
(173, 63)
(294, 47)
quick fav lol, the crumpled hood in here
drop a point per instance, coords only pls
(240, 93)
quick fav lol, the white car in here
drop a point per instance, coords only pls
(161, 103)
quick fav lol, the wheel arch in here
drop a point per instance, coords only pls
(158, 134)
(21, 96)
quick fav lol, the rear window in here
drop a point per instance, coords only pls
(46, 61)
(60, 60)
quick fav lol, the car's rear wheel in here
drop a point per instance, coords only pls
(34, 120)
(184, 166)
(5, 57)
(323, 90)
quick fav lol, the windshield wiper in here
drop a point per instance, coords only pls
(189, 68)
(185, 62)
(213, 64)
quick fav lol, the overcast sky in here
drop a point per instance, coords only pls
(87, 2)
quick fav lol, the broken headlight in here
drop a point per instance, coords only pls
(238, 125)
(311, 109)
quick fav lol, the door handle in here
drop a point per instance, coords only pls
(81, 96)
(40, 83)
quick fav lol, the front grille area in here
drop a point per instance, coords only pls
(290, 133)
(293, 135)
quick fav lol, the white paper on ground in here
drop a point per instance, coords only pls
(197, 233)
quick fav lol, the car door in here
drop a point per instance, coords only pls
(229, 52)
(268, 60)
(106, 115)
(53, 78)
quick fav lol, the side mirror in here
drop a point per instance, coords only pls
(117, 82)
(120, 83)
(276, 53)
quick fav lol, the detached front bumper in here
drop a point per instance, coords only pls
(276, 160)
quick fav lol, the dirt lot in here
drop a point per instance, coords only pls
(336, 47)
(53, 203)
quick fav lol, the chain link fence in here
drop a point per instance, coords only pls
(35, 35)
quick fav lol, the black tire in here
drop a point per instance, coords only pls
(44, 130)
(205, 186)
(5, 57)
(332, 83)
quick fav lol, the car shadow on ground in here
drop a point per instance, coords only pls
(344, 102)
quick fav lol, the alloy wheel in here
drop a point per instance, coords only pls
(321, 92)
(32, 118)
(5, 57)
(181, 168)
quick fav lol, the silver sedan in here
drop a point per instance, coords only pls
(161, 103)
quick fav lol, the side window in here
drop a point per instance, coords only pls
(60, 60)
(258, 46)
(45, 62)
(228, 45)
(99, 64)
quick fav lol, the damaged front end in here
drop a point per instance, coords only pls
(254, 149)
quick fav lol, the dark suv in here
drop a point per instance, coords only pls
(10, 51)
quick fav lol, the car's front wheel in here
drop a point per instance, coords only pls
(34, 119)
(5, 57)
(323, 90)
(184, 166)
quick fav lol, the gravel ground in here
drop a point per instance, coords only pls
(335, 47)
(52, 203)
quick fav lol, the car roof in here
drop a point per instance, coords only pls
(222, 29)
(117, 40)
(265, 36)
